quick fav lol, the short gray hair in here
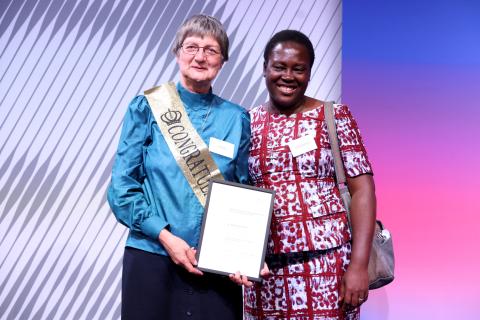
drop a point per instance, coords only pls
(202, 25)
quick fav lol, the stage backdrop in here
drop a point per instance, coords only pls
(411, 73)
(68, 70)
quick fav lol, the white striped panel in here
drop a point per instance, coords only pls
(68, 70)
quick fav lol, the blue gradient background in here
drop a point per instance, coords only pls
(411, 74)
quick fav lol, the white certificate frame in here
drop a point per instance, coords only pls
(235, 229)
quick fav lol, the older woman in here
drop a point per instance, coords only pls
(159, 180)
(318, 269)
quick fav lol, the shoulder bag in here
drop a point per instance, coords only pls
(382, 262)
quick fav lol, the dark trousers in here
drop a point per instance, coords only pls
(153, 287)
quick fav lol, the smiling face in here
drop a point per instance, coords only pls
(287, 73)
(198, 71)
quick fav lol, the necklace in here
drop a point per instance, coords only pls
(206, 116)
(197, 109)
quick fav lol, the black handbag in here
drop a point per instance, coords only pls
(382, 261)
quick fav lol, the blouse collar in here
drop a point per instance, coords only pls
(194, 99)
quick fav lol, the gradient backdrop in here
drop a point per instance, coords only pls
(411, 73)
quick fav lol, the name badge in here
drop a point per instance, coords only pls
(221, 147)
(301, 145)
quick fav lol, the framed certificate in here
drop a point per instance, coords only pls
(235, 229)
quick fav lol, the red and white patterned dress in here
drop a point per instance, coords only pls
(309, 244)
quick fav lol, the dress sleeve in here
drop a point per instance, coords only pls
(353, 151)
(128, 193)
(241, 169)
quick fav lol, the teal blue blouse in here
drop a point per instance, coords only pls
(148, 192)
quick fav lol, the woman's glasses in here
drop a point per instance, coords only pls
(192, 49)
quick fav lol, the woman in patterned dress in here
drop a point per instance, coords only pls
(318, 269)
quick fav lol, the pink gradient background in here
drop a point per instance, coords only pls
(411, 74)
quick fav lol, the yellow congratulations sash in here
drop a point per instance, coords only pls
(186, 145)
